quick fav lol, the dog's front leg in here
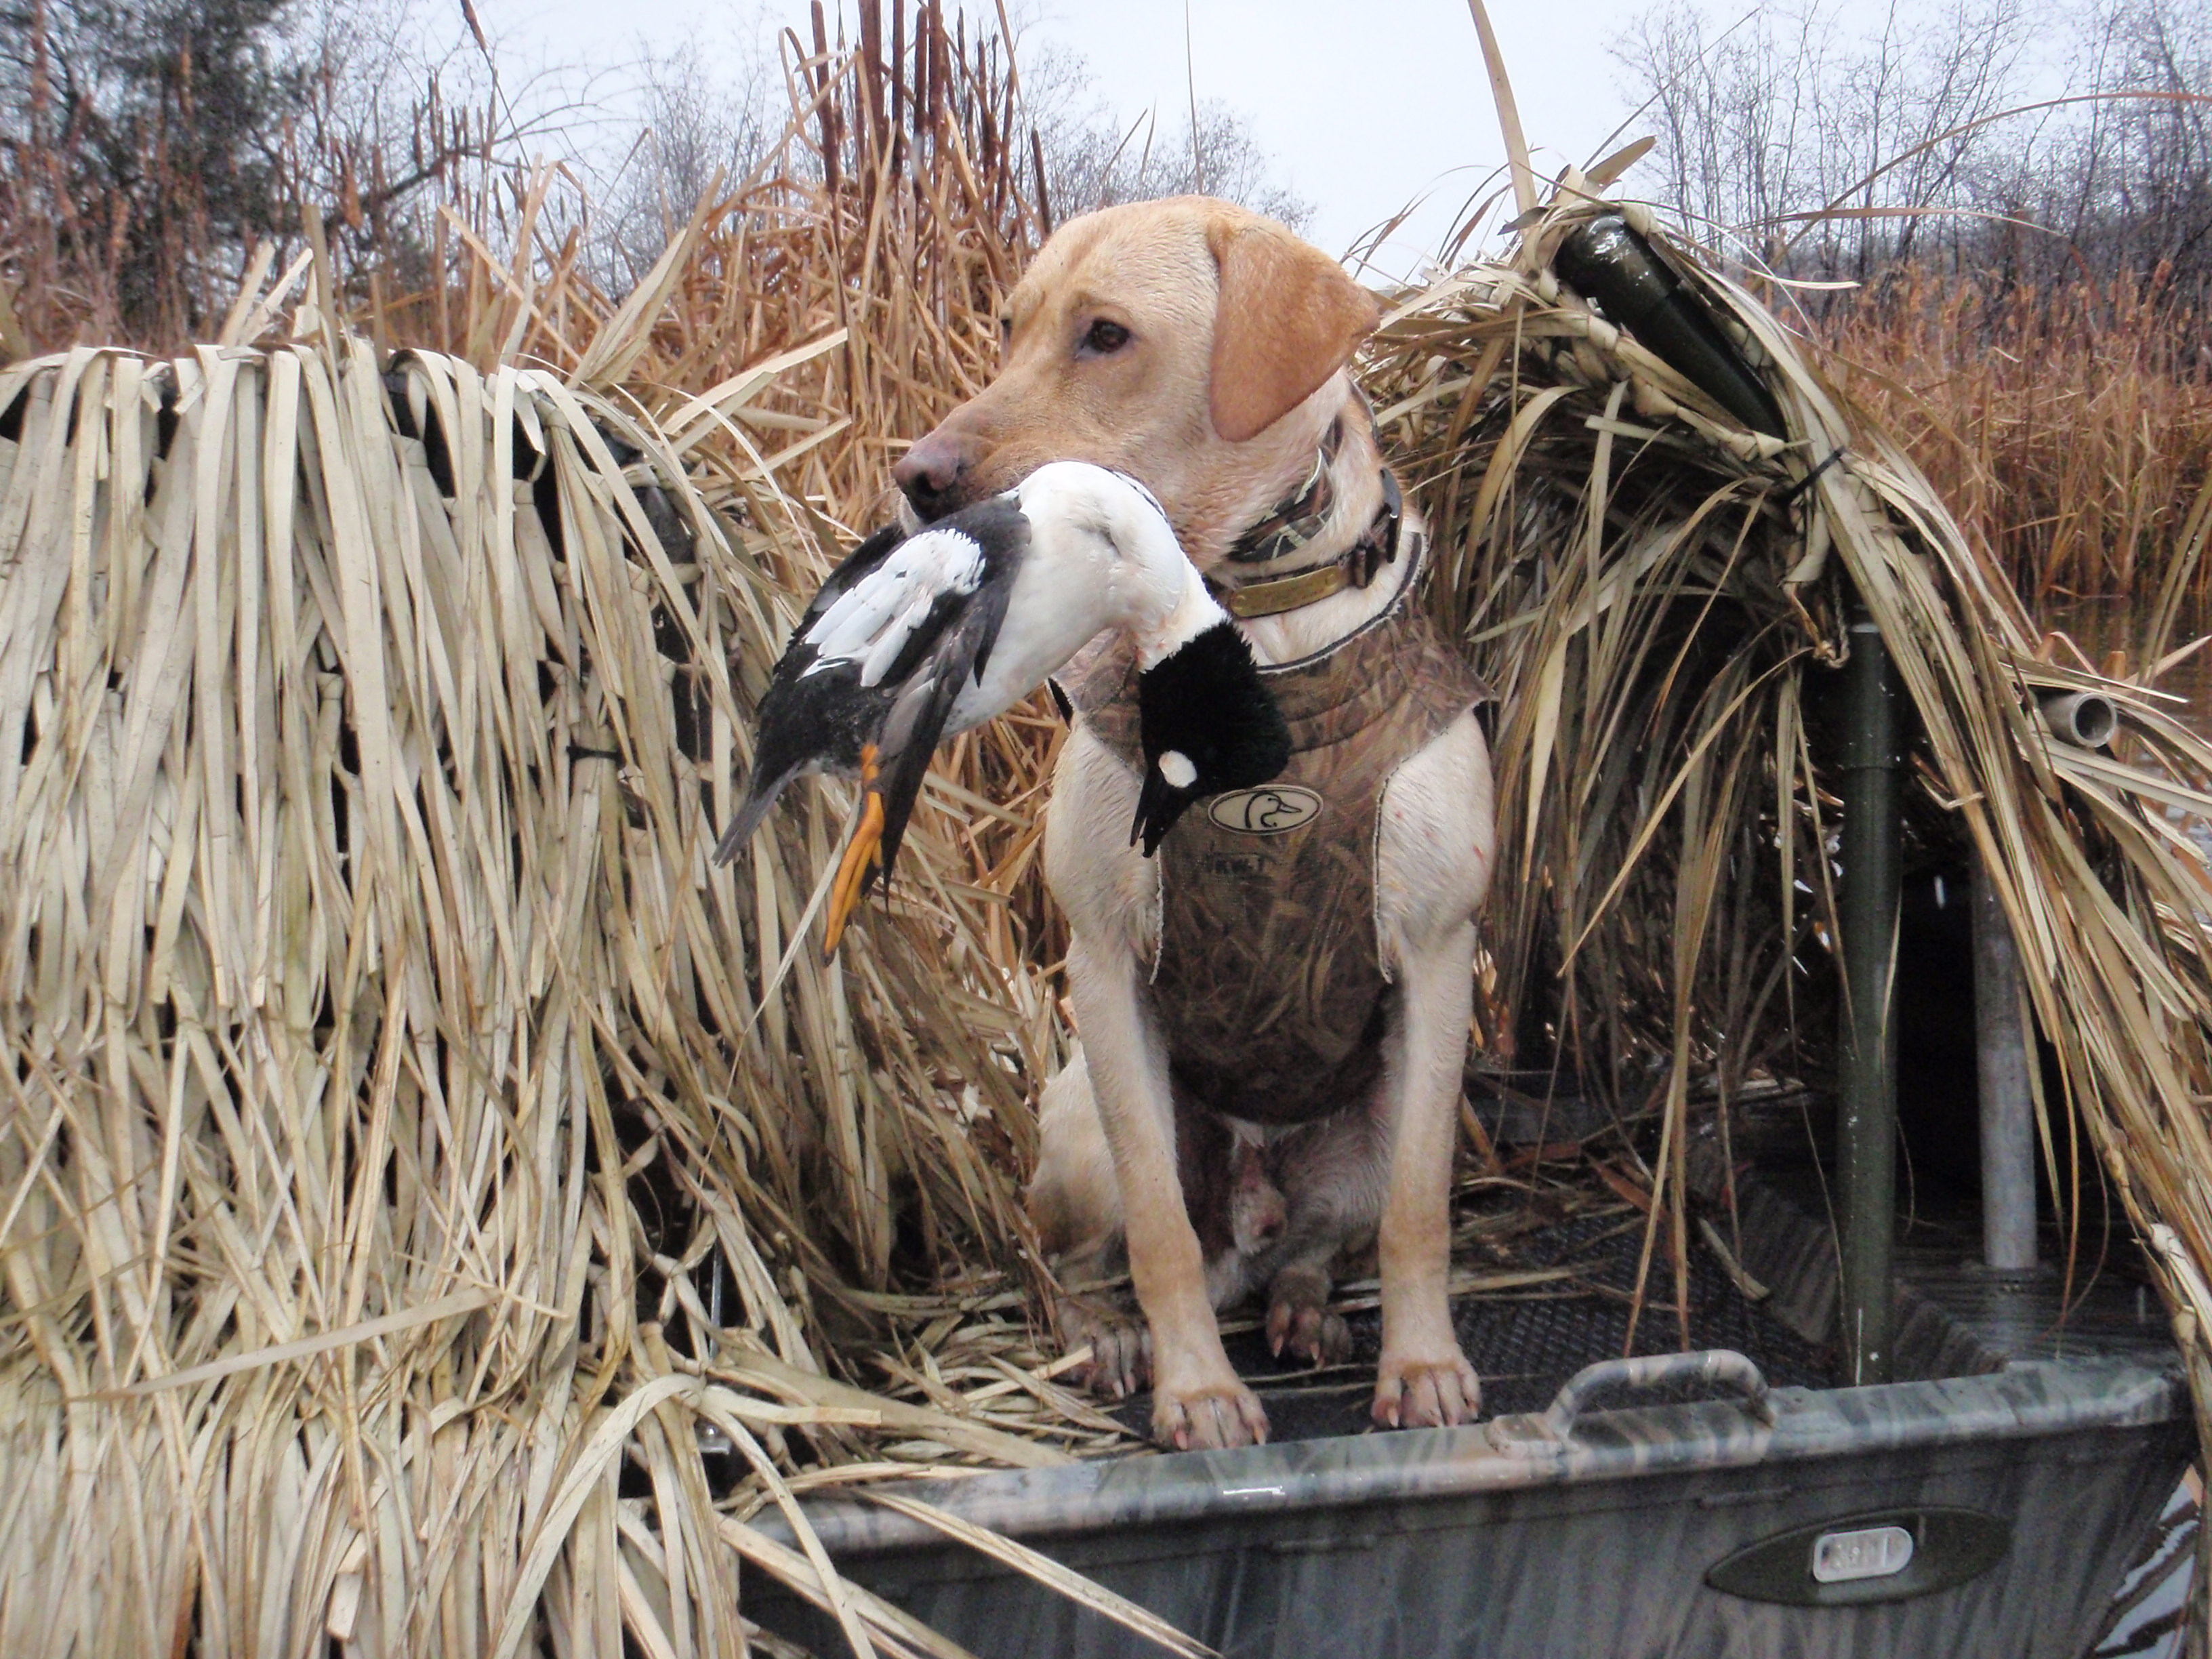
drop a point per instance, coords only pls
(1196, 1398)
(1436, 843)
(1424, 1381)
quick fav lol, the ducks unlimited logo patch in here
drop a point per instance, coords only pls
(1272, 810)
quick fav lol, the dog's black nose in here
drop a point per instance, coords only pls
(932, 472)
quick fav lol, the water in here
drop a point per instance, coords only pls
(2100, 628)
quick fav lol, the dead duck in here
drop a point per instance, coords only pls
(917, 637)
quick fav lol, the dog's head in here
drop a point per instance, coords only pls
(1187, 342)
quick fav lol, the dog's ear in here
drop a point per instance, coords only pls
(1288, 318)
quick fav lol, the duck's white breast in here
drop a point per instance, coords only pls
(1063, 597)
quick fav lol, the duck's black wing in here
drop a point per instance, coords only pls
(854, 659)
(798, 726)
(917, 719)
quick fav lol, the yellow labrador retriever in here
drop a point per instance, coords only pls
(1203, 350)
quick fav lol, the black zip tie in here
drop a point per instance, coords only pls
(1812, 478)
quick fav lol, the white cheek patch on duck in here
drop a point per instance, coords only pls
(872, 624)
(1206, 723)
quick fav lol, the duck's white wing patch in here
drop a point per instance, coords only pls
(872, 623)
(893, 636)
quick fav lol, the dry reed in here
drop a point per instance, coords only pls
(389, 1059)
(2068, 430)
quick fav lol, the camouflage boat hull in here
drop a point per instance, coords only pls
(1989, 1507)
(1501, 1540)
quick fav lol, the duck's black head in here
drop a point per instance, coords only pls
(1207, 723)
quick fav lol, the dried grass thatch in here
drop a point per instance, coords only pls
(389, 1058)
(388, 1055)
(1658, 592)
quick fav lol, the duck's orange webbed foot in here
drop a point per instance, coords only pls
(863, 858)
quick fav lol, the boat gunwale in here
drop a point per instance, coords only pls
(2028, 1399)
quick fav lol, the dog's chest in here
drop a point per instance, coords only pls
(1270, 987)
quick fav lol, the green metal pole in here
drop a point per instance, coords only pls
(1866, 1104)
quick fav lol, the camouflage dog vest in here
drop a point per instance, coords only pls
(1269, 985)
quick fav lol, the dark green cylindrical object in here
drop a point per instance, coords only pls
(1608, 262)
(1866, 1094)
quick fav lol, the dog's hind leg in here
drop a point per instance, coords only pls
(1075, 1205)
(1299, 1321)
(1334, 1175)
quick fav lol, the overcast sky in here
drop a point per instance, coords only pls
(1364, 107)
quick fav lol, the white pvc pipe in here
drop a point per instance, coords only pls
(2085, 719)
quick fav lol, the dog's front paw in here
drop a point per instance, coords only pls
(1414, 1391)
(1300, 1323)
(1223, 1413)
(1120, 1342)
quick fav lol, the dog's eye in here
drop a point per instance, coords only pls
(1105, 337)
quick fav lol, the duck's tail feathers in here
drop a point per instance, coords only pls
(760, 795)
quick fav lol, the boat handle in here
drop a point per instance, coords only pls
(1721, 1367)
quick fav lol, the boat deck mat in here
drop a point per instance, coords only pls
(1524, 1342)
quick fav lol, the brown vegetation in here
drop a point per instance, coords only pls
(2070, 427)
(2018, 201)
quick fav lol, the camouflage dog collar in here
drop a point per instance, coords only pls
(1354, 568)
(1298, 517)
